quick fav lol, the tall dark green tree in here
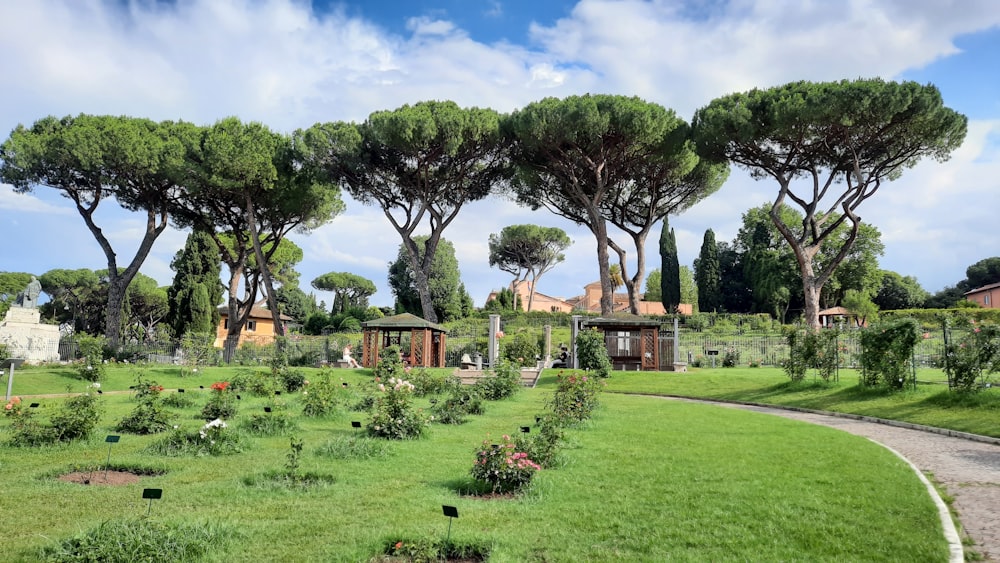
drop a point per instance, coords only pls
(707, 274)
(670, 269)
(445, 282)
(829, 146)
(899, 292)
(196, 292)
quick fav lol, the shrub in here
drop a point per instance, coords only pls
(77, 417)
(258, 382)
(521, 349)
(811, 349)
(592, 353)
(127, 540)
(970, 360)
(543, 446)
(90, 367)
(220, 402)
(575, 398)
(149, 416)
(887, 352)
(460, 402)
(319, 397)
(502, 467)
(424, 383)
(504, 382)
(393, 416)
(213, 438)
(731, 358)
(292, 379)
(390, 364)
(177, 400)
(274, 423)
(198, 349)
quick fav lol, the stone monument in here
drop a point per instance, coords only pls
(24, 334)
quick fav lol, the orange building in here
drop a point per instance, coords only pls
(589, 302)
(987, 296)
(259, 328)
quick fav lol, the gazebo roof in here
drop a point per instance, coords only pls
(621, 320)
(403, 321)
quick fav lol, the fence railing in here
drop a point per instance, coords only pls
(768, 349)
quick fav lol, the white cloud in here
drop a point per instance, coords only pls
(279, 62)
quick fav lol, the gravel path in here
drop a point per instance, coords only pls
(967, 466)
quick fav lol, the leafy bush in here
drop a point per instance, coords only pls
(887, 352)
(149, 416)
(504, 382)
(811, 349)
(427, 550)
(502, 467)
(393, 416)
(274, 423)
(521, 349)
(90, 366)
(543, 446)
(77, 417)
(971, 359)
(425, 383)
(221, 403)
(460, 402)
(128, 540)
(177, 400)
(258, 382)
(198, 349)
(731, 358)
(213, 438)
(319, 397)
(575, 398)
(26, 431)
(390, 364)
(592, 353)
(292, 379)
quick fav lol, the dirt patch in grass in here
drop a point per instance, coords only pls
(113, 478)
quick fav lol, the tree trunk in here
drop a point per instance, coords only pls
(600, 230)
(265, 274)
(421, 278)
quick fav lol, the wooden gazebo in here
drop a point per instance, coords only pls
(427, 340)
(633, 342)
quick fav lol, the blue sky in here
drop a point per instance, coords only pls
(292, 63)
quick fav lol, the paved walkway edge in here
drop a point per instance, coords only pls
(950, 532)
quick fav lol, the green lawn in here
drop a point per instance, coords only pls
(644, 480)
(931, 403)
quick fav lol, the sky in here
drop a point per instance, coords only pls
(292, 63)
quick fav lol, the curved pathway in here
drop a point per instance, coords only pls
(966, 465)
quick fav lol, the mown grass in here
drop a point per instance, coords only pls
(644, 480)
(931, 403)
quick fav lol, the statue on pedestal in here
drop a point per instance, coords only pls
(28, 299)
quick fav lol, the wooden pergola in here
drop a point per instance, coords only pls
(633, 342)
(427, 340)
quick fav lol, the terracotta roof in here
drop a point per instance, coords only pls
(402, 321)
(835, 311)
(984, 288)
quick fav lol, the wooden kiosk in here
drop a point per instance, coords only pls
(426, 340)
(632, 341)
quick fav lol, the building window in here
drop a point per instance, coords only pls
(251, 326)
(225, 323)
(986, 300)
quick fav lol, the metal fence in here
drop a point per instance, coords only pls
(472, 336)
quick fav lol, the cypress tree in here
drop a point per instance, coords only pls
(196, 290)
(707, 275)
(670, 270)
